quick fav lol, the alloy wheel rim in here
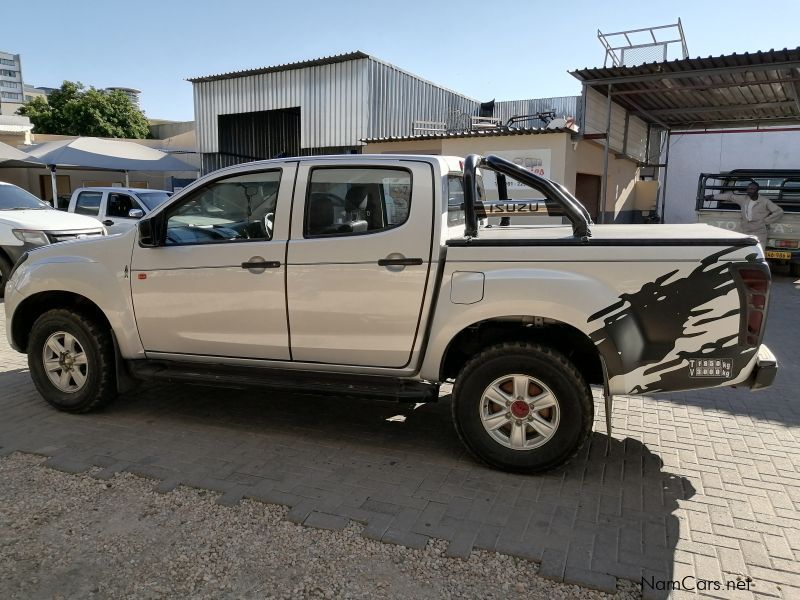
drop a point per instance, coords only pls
(65, 363)
(519, 412)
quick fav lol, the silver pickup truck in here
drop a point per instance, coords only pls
(372, 275)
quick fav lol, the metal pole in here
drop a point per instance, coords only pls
(666, 172)
(54, 184)
(605, 159)
(127, 180)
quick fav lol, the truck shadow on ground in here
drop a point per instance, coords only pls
(399, 469)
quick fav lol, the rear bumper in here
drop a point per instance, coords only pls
(764, 371)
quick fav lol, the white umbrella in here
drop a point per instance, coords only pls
(107, 155)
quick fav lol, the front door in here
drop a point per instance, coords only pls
(216, 285)
(358, 262)
(117, 212)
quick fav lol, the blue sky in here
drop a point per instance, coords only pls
(486, 50)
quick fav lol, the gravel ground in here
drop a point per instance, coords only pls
(67, 536)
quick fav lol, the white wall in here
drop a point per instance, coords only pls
(702, 152)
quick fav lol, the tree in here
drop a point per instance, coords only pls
(75, 110)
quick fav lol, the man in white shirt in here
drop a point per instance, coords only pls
(757, 211)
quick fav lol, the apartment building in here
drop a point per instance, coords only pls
(11, 83)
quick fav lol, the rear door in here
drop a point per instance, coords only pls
(358, 261)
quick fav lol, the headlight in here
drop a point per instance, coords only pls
(31, 236)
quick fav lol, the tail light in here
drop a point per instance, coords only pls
(755, 295)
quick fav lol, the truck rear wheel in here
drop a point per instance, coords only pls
(522, 407)
(71, 360)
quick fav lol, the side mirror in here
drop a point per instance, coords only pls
(135, 213)
(147, 233)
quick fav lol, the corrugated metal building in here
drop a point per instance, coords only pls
(320, 106)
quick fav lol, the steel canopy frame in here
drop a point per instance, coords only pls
(712, 93)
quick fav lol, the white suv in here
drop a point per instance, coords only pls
(27, 222)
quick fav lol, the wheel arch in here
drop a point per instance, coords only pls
(563, 337)
(32, 307)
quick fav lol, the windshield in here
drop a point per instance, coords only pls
(152, 199)
(14, 198)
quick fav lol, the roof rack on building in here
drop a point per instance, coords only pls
(635, 46)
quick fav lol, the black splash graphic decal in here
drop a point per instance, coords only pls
(643, 327)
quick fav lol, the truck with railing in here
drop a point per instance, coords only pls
(780, 186)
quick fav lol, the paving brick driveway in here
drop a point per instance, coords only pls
(704, 484)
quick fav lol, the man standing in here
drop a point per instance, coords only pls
(758, 212)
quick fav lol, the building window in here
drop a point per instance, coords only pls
(11, 96)
(9, 73)
(6, 61)
(11, 84)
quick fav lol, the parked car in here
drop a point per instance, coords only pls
(117, 208)
(780, 186)
(293, 274)
(27, 222)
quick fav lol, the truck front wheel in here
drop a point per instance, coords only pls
(522, 407)
(71, 360)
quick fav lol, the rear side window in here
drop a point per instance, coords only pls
(356, 201)
(88, 203)
(455, 200)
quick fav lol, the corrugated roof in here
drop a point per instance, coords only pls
(473, 133)
(757, 86)
(325, 60)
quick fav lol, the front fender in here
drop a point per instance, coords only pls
(98, 270)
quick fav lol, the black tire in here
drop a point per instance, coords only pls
(5, 273)
(569, 420)
(92, 343)
(794, 269)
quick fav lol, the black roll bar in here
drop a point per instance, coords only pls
(573, 209)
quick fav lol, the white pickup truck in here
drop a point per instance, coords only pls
(370, 275)
(118, 209)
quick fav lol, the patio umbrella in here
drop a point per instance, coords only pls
(11, 157)
(103, 154)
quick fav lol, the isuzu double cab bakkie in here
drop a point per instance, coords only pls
(372, 275)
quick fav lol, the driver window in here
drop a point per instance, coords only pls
(119, 205)
(238, 208)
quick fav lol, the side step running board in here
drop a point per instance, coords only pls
(317, 382)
